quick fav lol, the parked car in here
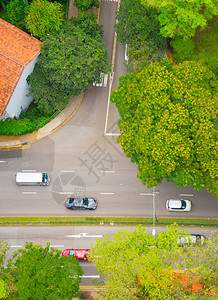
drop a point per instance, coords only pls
(178, 205)
(191, 239)
(81, 203)
(81, 254)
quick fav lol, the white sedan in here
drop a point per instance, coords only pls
(178, 205)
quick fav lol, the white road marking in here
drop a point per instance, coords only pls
(90, 276)
(146, 194)
(16, 246)
(107, 193)
(66, 171)
(81, 235)
(188, 195)
(28, 170)
(1, 161)
(57, 246)
(29, 193)
(65, 193)
(107, 171)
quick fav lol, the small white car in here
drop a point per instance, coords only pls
(178, 205)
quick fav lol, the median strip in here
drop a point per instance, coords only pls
(28, 221)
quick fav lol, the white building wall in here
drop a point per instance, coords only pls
(19, 101)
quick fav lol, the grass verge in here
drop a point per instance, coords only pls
(103, 221)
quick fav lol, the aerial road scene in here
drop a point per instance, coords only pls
(108, 149)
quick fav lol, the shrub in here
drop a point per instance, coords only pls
(16, 126)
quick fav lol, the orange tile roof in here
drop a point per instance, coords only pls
(17, 50)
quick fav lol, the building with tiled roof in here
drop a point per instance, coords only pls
(18, 55)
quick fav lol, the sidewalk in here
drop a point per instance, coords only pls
(11, 142)
(22, 141)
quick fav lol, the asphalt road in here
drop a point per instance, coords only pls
(83, 160)
(78, 237)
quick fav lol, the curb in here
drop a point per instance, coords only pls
(23, 141)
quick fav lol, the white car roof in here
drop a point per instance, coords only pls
(175, 203)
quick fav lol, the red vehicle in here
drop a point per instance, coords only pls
(81, 254)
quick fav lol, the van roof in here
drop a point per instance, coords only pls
(29, 177)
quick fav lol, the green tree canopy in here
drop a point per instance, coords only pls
(71, 60)
(41, 273)
(169, 123)
(139, 27)
(183, 17)
(137, 265)
(84, 5)
(17, 10)
(43, 17)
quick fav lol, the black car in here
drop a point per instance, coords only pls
(81, 203)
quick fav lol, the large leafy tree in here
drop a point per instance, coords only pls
(139, 27)
(183, 17)
(137, 265)
(169, 123)
(71, 60)
(43, 17)
(41, 273)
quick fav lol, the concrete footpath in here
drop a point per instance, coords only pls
(12, 142)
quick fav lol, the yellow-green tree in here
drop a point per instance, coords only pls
(169, 123)
(138, 266)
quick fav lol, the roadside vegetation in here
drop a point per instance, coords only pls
(137, 265)
(168, 123)
(169, 110)
(125, 221)
(38, 272)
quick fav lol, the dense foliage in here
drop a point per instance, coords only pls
(137, 265)
(84, 5)
(203, 46)
(4, 3)
(42, 273)
(71, 60)
(169, 123)
(4, 246)
(183, 17)
(139, 27)
(43, 17)
(17, 10)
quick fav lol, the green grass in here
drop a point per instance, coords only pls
(102, 221)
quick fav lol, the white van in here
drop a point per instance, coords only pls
(32, 179)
